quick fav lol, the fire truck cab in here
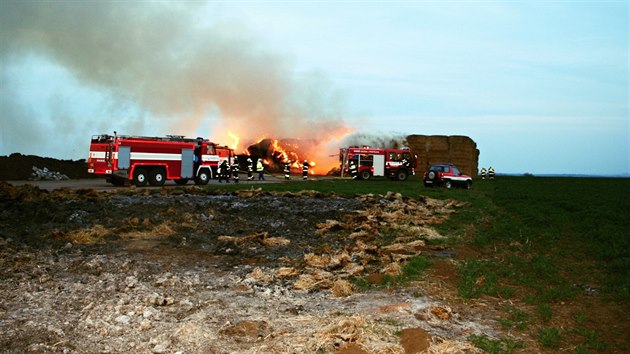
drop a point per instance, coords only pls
(397, 164)
(140, 160)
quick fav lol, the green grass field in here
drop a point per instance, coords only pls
(558, 248)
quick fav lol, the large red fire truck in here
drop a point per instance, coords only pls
(140, 160)
(397, 164)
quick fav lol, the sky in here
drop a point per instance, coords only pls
(540, 86)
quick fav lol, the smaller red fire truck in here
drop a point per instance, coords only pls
(397, 164)
(140, 160)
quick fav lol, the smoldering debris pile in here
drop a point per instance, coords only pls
(19, 167)
(409, 219)
(44, 174)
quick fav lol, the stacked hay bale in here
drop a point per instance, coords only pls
(431, 149)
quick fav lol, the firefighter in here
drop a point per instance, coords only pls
(353, 169)
(483, 173)
(250, 169)
(305, 167)
(287, 170)
(197, 156)
(490, 173)
(235, 168)
(224, 172)
(405, 163)
(261, 170)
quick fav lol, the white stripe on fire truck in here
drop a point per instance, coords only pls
(97, 154)
(101, 154)
(155, 156)
(138, 156)
(151, 156)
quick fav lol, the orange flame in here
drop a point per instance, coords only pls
(294, 157)
(292, 151)
(235, 139)
(284, 155)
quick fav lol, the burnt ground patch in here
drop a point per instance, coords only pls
(181, 270)
(179, 221)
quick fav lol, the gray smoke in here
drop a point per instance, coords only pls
(157, 56)
(387, 141)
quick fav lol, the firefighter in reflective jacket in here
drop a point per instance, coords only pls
(250, 169)
(491, 173)
(235, 168)
(353, 169)
(224, 172)
(305, 167)
(287, 170)
(483, 173)
(405, 163)
(261, 170)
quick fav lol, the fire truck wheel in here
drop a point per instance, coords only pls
(157, 177)
(140, 177)
(401, 175)
(365, 175)
(448, 184)
(203, 177)
(182, 181)
(432, 175)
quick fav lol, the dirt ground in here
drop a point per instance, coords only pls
(176, 270)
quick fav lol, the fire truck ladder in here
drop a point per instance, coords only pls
(344, 161)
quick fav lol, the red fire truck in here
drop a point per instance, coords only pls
(140, 160)
(397, 164)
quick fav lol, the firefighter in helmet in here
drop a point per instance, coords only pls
(305, 167)
(490, 172)
(261, 170)
(287, 170)
(224, 172)
(405, 162)
(353, 169)
(250, 169)
(483, 173)
(235, 168)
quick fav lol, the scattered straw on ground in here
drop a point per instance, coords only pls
(159, 231)
(94, 234)
(258, 237)
(341, 288)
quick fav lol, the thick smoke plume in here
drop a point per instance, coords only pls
(388, 141)
(177, 71)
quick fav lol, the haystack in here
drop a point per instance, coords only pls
(459, 150)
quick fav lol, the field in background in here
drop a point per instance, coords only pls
(557, 249)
